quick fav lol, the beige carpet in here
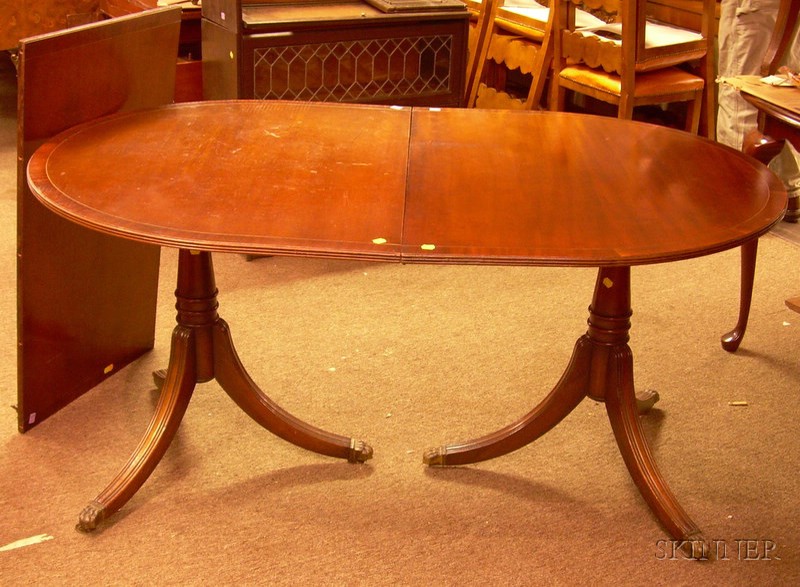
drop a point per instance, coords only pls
(408, 357)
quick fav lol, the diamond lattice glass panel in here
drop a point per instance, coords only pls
(351, 71)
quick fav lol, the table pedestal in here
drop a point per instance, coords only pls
(202, 350)
(601, 368)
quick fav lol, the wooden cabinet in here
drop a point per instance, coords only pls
(336, 51)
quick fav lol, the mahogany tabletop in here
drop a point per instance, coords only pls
(407, 184)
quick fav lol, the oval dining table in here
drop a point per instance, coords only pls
(409, 185)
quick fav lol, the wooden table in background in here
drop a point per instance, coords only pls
(412, 185)
(780, 108)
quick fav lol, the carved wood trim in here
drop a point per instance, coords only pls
(515, 52)
(492, 99)
(592, 50)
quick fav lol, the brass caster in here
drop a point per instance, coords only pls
(360, 452)
(90, 517)
(435, 457)
(646, 399)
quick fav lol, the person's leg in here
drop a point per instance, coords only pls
(786, 165)
(744, 33)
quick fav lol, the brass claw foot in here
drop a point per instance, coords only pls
(159, 376)
(646, 399)
(360, 452)
(434, 457)
(696, 547)
(91, 516)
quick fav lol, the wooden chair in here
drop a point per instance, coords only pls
(518, 43)
(482, 15)
(785, 26)
(85, 302)
(633, 61)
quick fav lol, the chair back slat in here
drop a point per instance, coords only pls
(785, 28)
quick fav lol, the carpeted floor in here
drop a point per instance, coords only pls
(408, 357)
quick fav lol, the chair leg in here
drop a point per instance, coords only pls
(625, 107)
(542, 70)
(557, 98)
(708, 71)
(693, 111)
(710, 110)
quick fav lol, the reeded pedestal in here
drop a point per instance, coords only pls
(202, 350)
(601, 368)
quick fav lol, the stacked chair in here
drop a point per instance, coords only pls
(512, 55)
(519, 47)
(630, 60)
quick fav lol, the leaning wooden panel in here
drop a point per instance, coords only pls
(25, 18)
(70, 336)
